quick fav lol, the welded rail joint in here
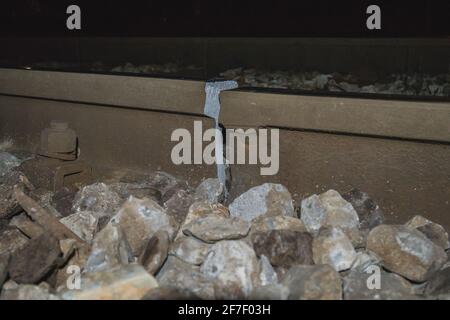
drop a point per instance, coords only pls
(212, 109)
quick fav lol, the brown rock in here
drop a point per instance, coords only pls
(181, 275)
(435, 232)
(284, 248)
(406, 252)
(212, 228)
(155, 252)
(264, 224)
(318, 282)
(63, 200)
(12, 240)
(9, 205)
(370, 214)
(35, 260)
(128, 282)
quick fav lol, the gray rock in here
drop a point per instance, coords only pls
(406, 252)
(109, 249)
(8, 203)
(11, 240)
(284, 248)
(369, 213)
(267, 274)
(127, 282)
(233, 266)
(201, 209)
(264, 224)
(140, 220)
(83, 223)
(4, 264)
(270, 292)
(364, 259)
(184, 276)
(26, 226)
(210, 190)
(190, 250)
(177, 206)
(435, 232)
(212, 228)
(359, 286)
(267, 199)
(7, 162)
(28, 292)
(439, 284)
(97, 198)
(155, 252)
(331, 246)
(138, 190)
(33, 262)
(328, 209)
(317, 282)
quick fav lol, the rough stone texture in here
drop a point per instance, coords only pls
(284, 248)
(109, 249)
(4, 263)
(317, 282)
(98, 198)
(267, 274)
(170, 293)
(140, 220)
(177, 206)
(62, 200)
(233, 267)
(12, 240)
(369, 213)
(27, 292)
(270, 292)
(35, 260)
(7, 162)
(392, 287)
(406, 252)
(155, 252)
(185, 276)
(328, 209)
(267, 199)
(435, 232)
(8, 203)
(83, 223)
(26, 226)
(128, 282)
(200, 209)
(331, 246)
(190, 250)
(264, 224)
(212, 228)
(364, 259)
(210, 190)
(439, 284)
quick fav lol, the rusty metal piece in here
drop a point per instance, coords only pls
(44, 218)
(54, 174)
(58, 141)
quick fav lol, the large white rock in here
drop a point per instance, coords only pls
(328, 209)
(331, 246)
(109, 249)
(233, 266)
(140, 219)
(267, 199)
